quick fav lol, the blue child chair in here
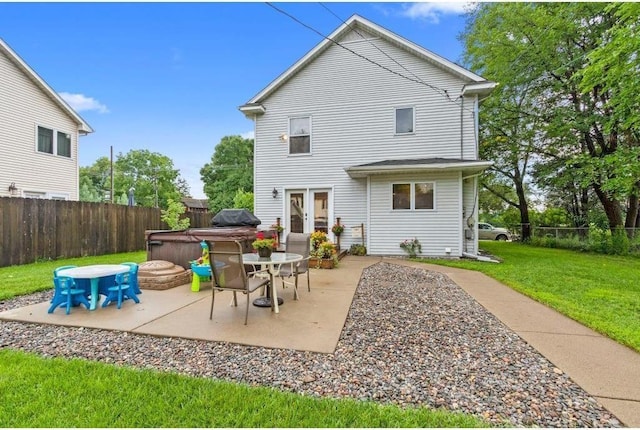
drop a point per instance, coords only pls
(123, 290)
(133, 279)
(55, 274)
(67, 294)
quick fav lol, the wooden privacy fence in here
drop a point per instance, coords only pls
(39, 229)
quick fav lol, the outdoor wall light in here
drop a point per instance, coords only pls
(274, 193)
(284, 137)
(12, 187)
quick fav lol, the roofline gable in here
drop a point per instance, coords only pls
(357, 21)
(40, 83)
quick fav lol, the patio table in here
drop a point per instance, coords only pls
(276, 259)
(94, 273)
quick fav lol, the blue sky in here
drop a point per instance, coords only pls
(169, 77)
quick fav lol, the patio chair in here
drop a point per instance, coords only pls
(297, 243)
(229, 273)
(67, 294)
(133, 280)
(123, 290)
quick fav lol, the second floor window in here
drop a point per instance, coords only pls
(45, 140)
(300, 135)
(54, 142)
(63, 146)
(404, 120)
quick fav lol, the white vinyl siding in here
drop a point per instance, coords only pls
(352, 103)
(435, 229)
(23, 107)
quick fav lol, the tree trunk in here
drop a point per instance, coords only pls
(523, 207)
(632, 211)
(611, 208)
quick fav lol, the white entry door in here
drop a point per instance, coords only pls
(308, 210)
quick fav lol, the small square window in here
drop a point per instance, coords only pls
(45, 140)
(63, 145)
(404, 120)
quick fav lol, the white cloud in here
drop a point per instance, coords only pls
(80, 102)
(248, 135)
(432, 11)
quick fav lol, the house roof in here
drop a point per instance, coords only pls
(416, 165)
(83, 126)
(196, 203)
(476, 84)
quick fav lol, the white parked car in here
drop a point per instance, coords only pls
(489, 232)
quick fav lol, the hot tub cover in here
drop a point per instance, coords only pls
(235, 218)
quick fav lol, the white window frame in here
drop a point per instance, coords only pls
(298, 135)
(412, 196)
(34, 195)
(395, 121)
(55, 142)
(58, 196)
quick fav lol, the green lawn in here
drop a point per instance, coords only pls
(30, 278)
(600, 291)
(45, 392)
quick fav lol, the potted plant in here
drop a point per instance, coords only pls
(278, 228)
(318, 237)
(337, 229)
(264, 246)
(324, 255)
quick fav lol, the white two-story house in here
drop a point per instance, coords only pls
(378, 131)
(39, 134)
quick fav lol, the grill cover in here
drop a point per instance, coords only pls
(235, 218)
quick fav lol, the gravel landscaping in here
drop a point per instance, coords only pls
(412, 338)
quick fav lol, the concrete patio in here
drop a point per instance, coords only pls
(312, 323)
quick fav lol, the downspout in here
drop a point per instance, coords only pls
(469, 221)
(461, 127)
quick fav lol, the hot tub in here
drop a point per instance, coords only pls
(182, 246)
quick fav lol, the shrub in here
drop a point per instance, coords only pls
(357, 249)
(411, 247)
(172, 216)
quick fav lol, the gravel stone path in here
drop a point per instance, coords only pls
(412, 338)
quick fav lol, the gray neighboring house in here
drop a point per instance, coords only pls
(39, 133)
(342, 134)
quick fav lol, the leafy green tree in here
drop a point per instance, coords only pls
(546, 46)
(96, 179)
(231, 168)
(172, 214)
(243, 200)
(151, 175)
